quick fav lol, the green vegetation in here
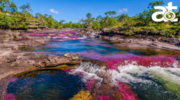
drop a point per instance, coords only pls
(15, 36)
(139, 24)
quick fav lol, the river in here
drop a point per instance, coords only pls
(131, 73)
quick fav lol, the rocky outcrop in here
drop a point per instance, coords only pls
(73, 57)
(142, 41)
(147, 44)
(12, 60)
(113, 31)
(16, 60)
(89, 32)
(13, 40)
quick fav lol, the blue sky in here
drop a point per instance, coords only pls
(74, 10)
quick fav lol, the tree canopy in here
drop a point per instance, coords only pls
(141, 23)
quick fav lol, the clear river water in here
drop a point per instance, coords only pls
(134, 74)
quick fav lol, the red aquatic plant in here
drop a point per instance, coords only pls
(114, 60)
(9, 96)
(104, 98)
(13, 79)
(67, 69)
(161, 61)
(89, 84)
(126, 92)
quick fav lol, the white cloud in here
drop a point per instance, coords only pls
(123, 10)
(53, 11)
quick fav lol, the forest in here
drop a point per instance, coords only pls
(12, 18)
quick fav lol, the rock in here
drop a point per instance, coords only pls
(63, 60)
(175, 41)
(72, 56)
(5, 67)
(70, 34)
(114, 39)
(39, 29)
(1, 58)
(25, 36)
(106, 30)
(5, 40)
(106, 90)
(105, 37)
(107, 79)
(117, 31)
(31, 30)
(39, 62)
(54, 60)
(16, 33)
(166, 46)
(99, 63)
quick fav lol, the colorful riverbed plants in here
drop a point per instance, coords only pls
(114, 60)
(100, 83)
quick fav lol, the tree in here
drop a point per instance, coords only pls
(50, 22)
(50, 16)
(89, 19)
(70, 24)
(78, 25)
(110, 13)
(123, 16)
(96, 25)
(6, 21)
(82, 21)
(145, 17)
(89, 15)
(4, 5)
(157, 3)
(46, 15)
(12, 7)
(112, 21)
(37, 15)
(41, 18)
(25, 8)
(99, 18)
(61, 21)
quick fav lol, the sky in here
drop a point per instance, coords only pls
(74, 10)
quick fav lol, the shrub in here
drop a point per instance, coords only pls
(15, 36)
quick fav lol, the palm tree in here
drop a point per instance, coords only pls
(89, 20)
(89, 15)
